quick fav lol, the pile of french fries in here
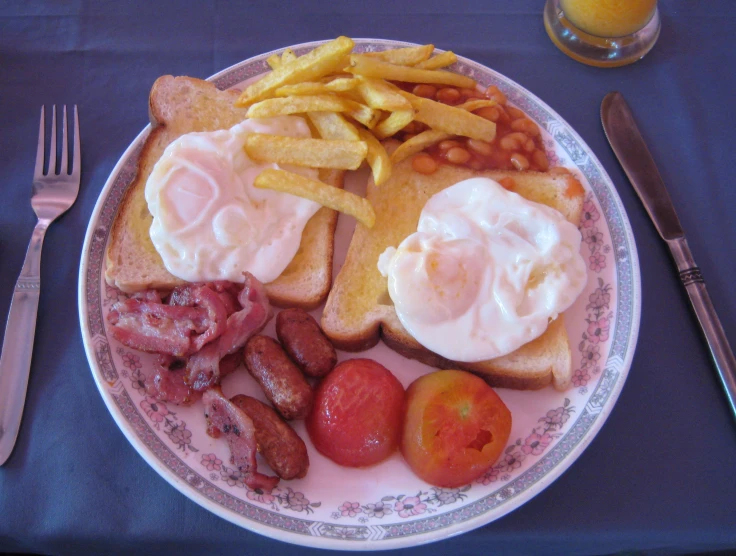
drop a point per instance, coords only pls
(352, 104)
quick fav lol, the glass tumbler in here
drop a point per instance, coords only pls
(603, 33)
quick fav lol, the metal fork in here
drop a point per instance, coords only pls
(52, 195)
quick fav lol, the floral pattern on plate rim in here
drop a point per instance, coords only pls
(608, 369)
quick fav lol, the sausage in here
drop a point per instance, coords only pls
(305, 342)
(281, 380)
(277, 442)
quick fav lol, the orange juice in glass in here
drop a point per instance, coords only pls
(604, 33)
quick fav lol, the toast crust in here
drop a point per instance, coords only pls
(179, 105)
(500, 372)
(359, 310)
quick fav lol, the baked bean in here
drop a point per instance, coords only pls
(475, 164)
(525, 125)
(492, 89)
(519, 161)
(448, 95)
(559, 170)
(515, 147)
(540, 160)
(471, 93)
(448, 144)
(513, 141)
(519, 135)
(425, 91)
(488, 112)
(508, 143)
(515, 113)
(507, 183)
(424, 164)
(494, 93)
(481, 147)
(503, 116)
(457, 155)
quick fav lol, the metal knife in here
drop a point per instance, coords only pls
(636, 160)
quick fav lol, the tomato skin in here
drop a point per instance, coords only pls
(455, 428)
(357, 413)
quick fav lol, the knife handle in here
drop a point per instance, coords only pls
(720, 350)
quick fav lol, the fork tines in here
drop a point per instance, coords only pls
(64, 163)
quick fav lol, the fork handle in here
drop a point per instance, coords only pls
(15, 361)
(720, 350)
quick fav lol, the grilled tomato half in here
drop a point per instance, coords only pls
(455, 428)
(356, 417)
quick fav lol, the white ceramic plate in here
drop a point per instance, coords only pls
(386, 506)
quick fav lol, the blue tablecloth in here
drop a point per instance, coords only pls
(660, 473)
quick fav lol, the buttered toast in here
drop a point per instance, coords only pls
(179, 105)
(359, 309)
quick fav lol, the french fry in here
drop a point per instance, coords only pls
(317, 87)
(372, 67)
(332, 125)
(377, 157)
(418, 143)
(307, 88)
(363, 114)
(274, 61)
(476, 103)
(336, 89)
(337, 75)
(313, 130)
(404, 56)
(321, 61)
(314, 103)
(451, 119)
(288, 56)
(312, 153)
(297, 104)
(325, 195)
(351, 94)
(379, 95)
(394, 123)
(342, 84)
(440, 61)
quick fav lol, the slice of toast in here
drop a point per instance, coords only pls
(179, 105)
(359, 309)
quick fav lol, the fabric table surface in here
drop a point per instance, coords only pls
(659, 475)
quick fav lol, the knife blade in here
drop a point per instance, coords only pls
(638, 164)
(632, 153)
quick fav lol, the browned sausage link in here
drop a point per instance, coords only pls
(277, 442)
(281, 380)
(305, 343)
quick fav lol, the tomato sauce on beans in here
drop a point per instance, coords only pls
(517, 145)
